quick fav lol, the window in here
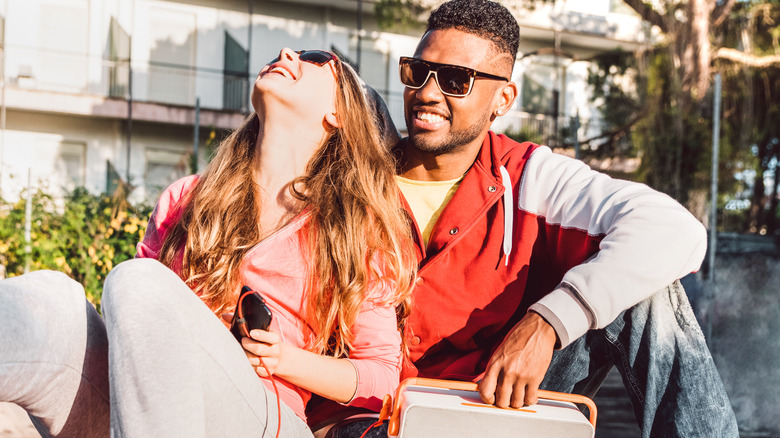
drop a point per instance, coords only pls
(172, 56)
(71, 165)
(235, 88)
(119, 60)
(536, 98)
(163, 167)
(620, 7)
(63, 38)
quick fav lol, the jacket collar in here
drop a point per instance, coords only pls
(489, 154)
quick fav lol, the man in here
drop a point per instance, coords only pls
(537, 272)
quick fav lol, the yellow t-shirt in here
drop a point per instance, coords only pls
(427, 200)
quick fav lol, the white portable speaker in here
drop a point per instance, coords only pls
(425, 408)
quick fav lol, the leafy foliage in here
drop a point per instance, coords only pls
(399, 14)
(751, 110)
(526, 134)
(652, 96)
(84, 235)
(617, 89)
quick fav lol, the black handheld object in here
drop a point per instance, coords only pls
(251, 313)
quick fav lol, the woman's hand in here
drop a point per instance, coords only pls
(263, 344)
(226, 319)
(329, 377)
(266, 346)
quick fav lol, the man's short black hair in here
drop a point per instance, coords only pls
(484, 18)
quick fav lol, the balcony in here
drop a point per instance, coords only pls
(53, 81)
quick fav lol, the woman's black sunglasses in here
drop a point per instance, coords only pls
(453, 80)
(318, 57)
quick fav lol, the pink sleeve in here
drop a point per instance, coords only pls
(166, 213)
(376, 353)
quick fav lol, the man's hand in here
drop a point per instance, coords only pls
(518, 366)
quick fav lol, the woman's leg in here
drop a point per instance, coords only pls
(54, 355)
(175, 369)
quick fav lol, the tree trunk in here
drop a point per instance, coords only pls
(700, 45)
(771, 222)
(758, 199)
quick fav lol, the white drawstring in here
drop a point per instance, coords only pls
(508, 213)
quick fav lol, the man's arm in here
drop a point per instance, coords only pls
(647, 241)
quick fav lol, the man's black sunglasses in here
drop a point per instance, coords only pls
(318, 57)
(453, 80)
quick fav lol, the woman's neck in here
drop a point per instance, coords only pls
(282, 150)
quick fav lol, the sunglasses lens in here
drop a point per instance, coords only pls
(316, 56)
(453, 80)
(418, 73)
(413, 73)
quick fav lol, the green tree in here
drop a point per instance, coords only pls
(752, 104)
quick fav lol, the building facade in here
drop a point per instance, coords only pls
(99, 90)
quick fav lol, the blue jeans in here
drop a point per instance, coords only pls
(659, 350)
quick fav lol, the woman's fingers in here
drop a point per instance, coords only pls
(263, 365)
(263, 348)
(260, 371)
(227, 318)
(265, 336)
(260, 348)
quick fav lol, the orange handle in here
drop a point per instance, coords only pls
(394, 424)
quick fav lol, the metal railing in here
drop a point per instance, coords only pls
(563, 131)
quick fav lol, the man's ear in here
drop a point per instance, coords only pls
(332, 120)
(506, 98)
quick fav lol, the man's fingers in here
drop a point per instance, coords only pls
(504, 391)
(531, 394)
(519, 394)
(487, 387)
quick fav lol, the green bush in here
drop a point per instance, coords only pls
(526, 133)
(82, 235)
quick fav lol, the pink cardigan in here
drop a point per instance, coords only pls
(276, 268)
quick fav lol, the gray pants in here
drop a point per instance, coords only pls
(172, 367)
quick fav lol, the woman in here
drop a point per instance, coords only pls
(300, 205)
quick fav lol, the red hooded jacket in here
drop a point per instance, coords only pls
(531, 229)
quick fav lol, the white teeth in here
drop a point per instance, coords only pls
(430, 117)
(284, 72)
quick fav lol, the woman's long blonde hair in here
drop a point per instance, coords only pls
(358, 235)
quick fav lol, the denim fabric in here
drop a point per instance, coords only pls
(666, 367)
(660, 352)
(356, 428)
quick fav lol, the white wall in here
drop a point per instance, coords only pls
(32, 141)
(64, 43)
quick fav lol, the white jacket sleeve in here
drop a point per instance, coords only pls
(648, 240)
